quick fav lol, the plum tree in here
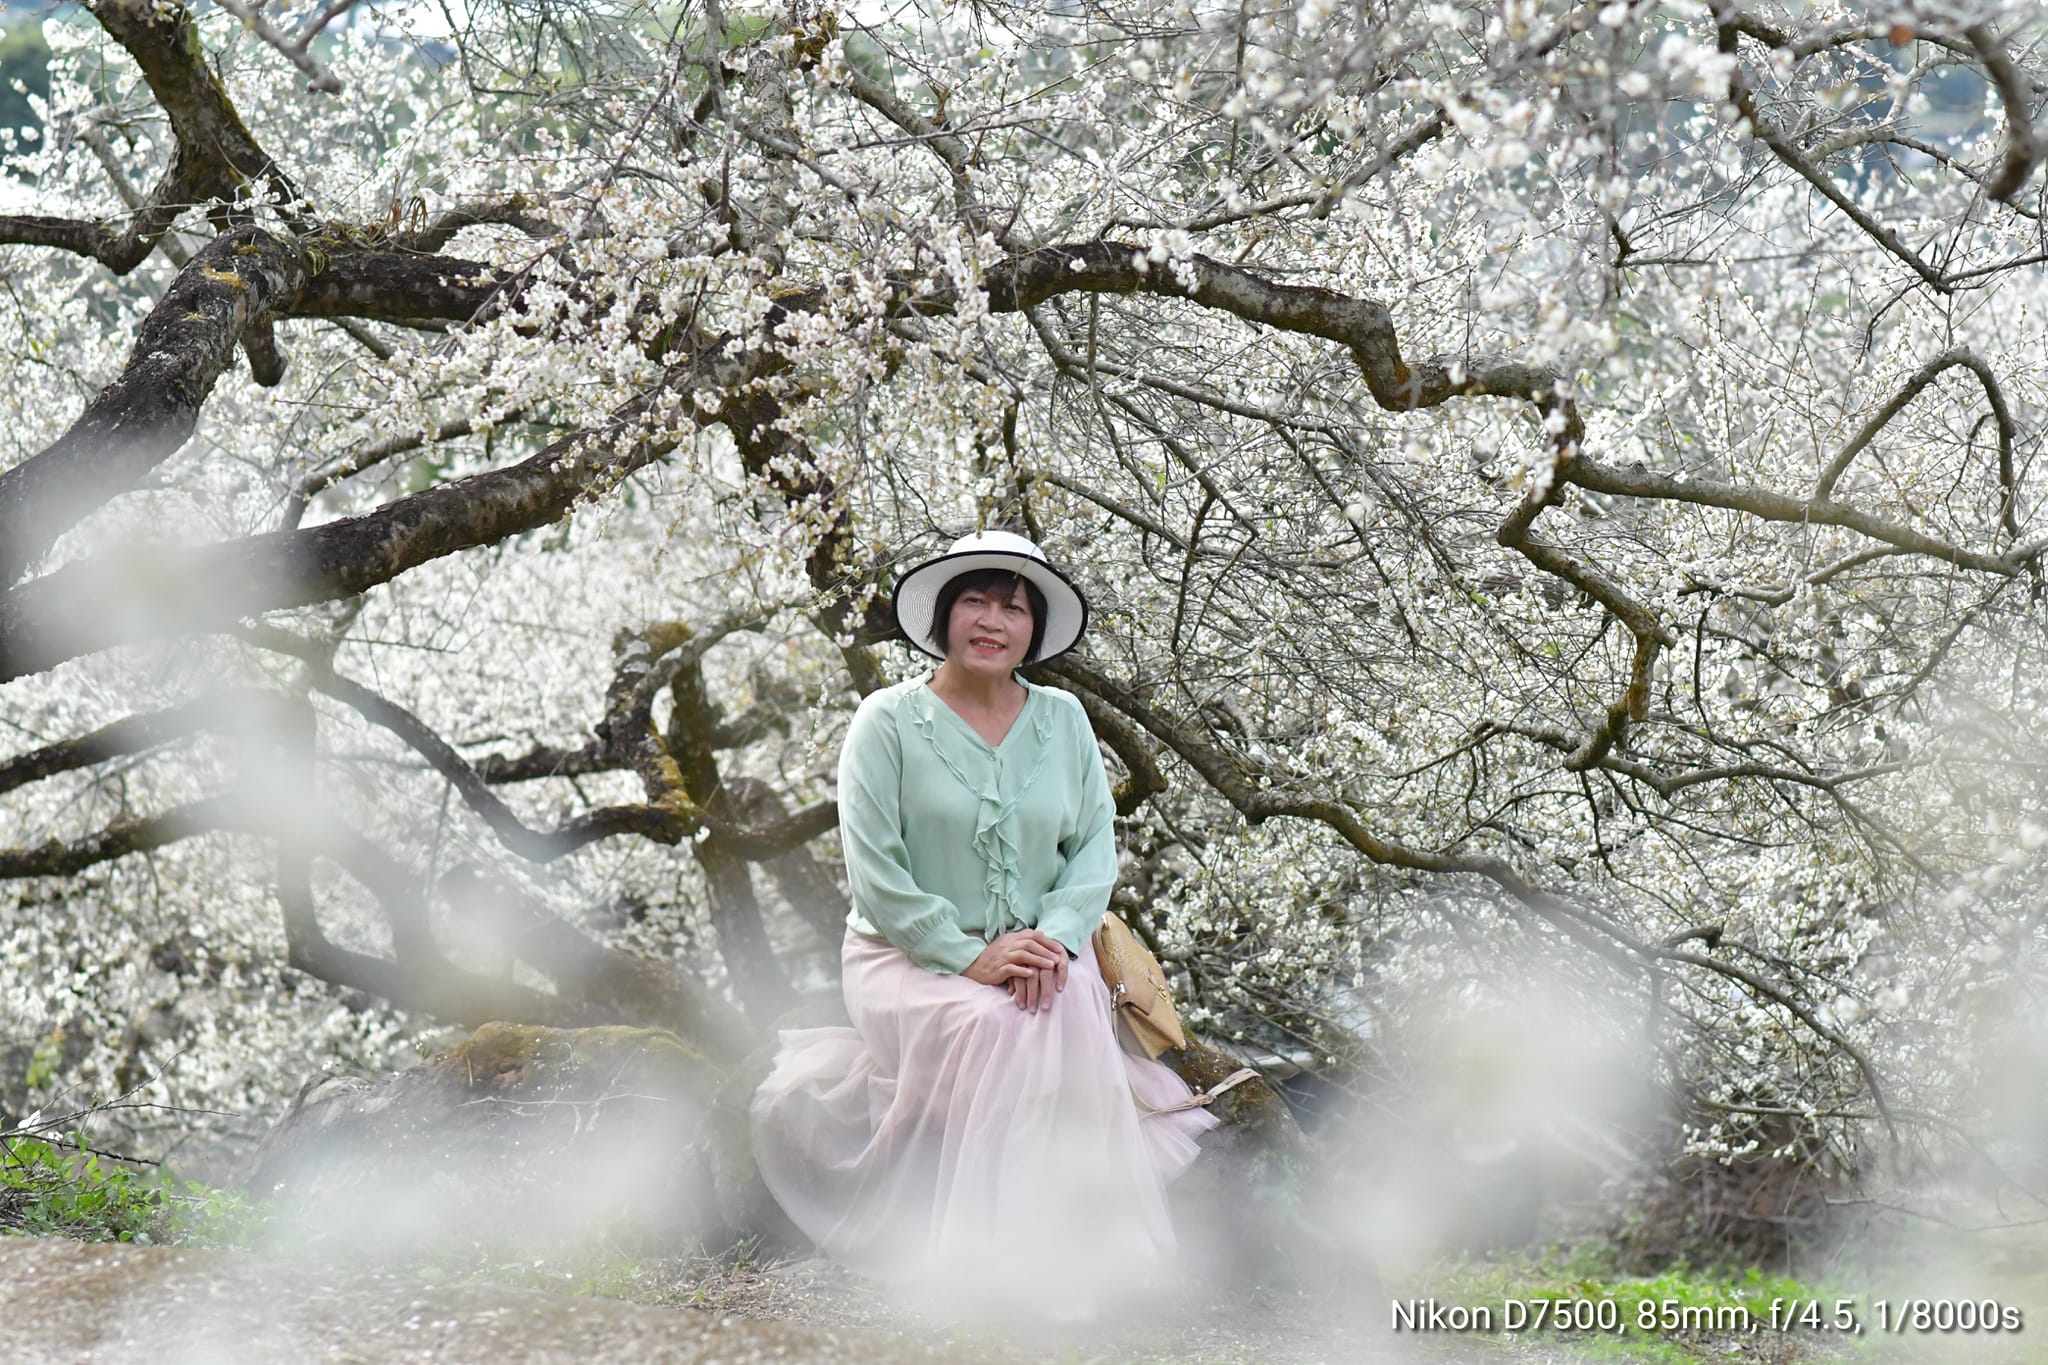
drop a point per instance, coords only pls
(1554, 481)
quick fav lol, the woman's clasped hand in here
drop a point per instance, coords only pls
(1030, 965)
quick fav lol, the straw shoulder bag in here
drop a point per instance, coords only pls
(1137, 988)
(1144, 1007)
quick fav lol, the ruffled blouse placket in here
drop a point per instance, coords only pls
(995, 826)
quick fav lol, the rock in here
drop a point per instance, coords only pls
(71, 1303)
(518, 1139)
(743, 1198)
(524, 1141)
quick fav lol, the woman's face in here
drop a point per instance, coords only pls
(989, 631)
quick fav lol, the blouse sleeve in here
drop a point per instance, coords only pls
(878, 863)
(1073, 907)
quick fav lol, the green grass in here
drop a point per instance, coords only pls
(588, 1271)
(1681, 1316)
(65, 1189)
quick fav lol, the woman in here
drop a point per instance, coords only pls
(979, 1129)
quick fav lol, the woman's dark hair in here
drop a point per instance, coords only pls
(988, 580)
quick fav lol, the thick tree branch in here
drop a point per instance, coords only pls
(346, 280)
(1113, 728)
(628, 727)
(132, 834)
(1650, 634)
(517, 211)
(134, 424)
(417, 976)
(1363, 326)
(163, 38)
(1773, 506)
(604, 982)
(1819, 38)
(945, 144)
(120, 249)
(804, 884)
(2026, 145)
(771, 453)
(735, 908)
(1669, 785)
(435, 989)
(318, 77)
(227, 710)
(548, 761)
(317, 22)
(764, 208)
(1994, 395)
(667, 822)
(320, 480)
(118, 597)
(213, 156)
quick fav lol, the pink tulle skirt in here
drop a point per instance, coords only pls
(952, 1140)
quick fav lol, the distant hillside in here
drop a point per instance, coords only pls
(24, 70)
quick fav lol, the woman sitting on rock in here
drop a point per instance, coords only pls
(980, 1129)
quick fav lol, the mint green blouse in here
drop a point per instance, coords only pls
(950, 842)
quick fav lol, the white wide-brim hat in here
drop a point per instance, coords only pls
(917, 592)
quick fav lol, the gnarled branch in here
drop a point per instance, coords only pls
(134, 595)
(134, 424)
(2026, 145)
(214, 156)
(225, 710)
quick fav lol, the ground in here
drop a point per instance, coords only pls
(1247, 1325)
(64, 1302)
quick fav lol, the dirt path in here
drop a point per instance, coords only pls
(71, 1303)
(1247, 1325)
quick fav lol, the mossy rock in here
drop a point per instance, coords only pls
(527, 1059)
(743, 1198)
(517, 1138)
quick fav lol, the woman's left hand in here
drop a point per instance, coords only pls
(1039, 989)
(1034, 990)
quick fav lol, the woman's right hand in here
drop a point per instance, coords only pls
(1016, 959)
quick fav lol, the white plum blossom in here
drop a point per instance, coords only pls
(1555, 488)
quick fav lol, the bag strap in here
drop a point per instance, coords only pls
(1201, 1101)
